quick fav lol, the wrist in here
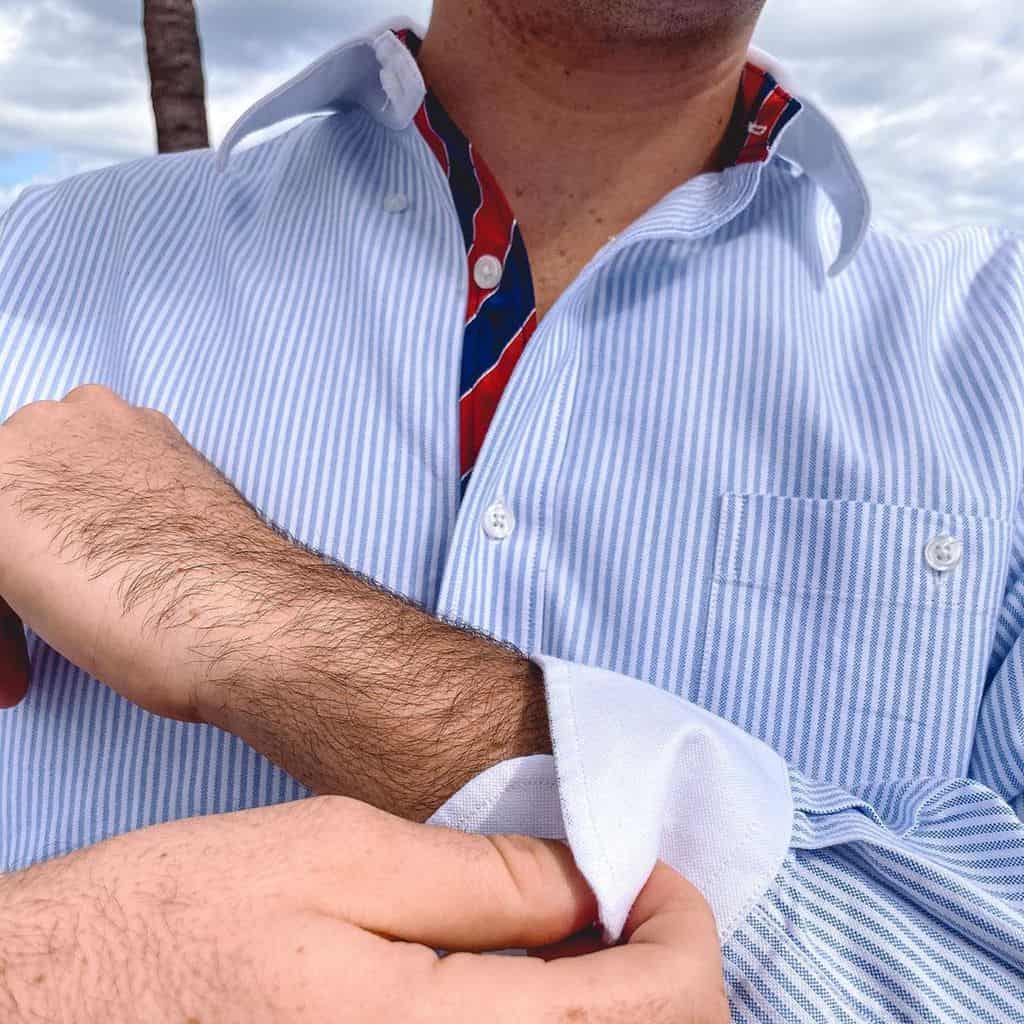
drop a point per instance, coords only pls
(353, 691)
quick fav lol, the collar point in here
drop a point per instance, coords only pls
(400, 79)
(374, 71)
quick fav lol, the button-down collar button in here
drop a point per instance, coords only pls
(944, 553)
(487, 272)
(397, 202)
(498, 521)
(390, 83)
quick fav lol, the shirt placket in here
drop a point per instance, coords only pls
(494, 572)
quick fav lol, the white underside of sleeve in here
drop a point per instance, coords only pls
(640, 776)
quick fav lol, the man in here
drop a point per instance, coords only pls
(751, 453)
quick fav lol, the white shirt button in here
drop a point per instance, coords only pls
(487, 272)
(944, 553)
(498, 521)
(397, 202)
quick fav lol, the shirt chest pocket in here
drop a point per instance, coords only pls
(852, 637)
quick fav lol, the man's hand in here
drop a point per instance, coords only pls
(115, 533)
(329, 910)
(131, 555)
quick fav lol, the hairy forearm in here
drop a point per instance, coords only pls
(356, 692)
(140, 562)
(47, 925)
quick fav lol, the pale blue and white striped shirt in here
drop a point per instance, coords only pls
(725, 466)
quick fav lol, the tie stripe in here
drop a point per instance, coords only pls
(434, 141)
(770, 108)
(500, 319)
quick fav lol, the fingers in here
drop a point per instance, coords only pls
(670, 971)
(14, 664)
(451, 891)
(446, 889)
(671, 912)
(369, 877)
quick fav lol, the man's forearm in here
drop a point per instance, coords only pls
(136, 559)
(356, 692)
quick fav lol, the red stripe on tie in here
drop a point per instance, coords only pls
(493, 233)
(750, 85)
(493, 227)
(433, 140)
(756, 147)
(478, 405)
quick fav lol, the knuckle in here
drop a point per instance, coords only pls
(340, 820)
(91, 393)
(521, 864)
(29, 412)
(159, 419)
(323, 809)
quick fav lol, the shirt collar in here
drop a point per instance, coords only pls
(378, 73)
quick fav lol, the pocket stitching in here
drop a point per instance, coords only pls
(857, 597)
(738, 527)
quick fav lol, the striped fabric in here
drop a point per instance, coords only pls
(725, 456)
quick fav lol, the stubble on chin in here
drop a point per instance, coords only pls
(650, 22)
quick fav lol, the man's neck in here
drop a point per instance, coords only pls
(584, 133)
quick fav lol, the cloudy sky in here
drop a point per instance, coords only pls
(930, 93)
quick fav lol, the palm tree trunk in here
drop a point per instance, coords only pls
(175, 74)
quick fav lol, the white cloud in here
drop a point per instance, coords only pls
(928, 92)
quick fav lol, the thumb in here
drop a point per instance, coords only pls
(445, 889)
(14, 664)
(670, 970)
